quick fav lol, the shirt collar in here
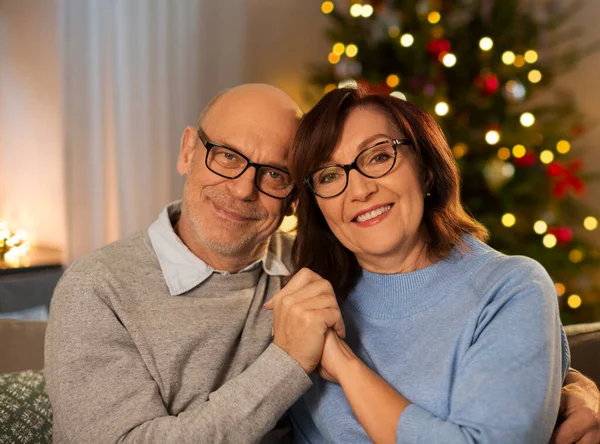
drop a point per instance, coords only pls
(181, 268)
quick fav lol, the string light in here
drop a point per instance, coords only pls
(549, 240)
(367, 11)
(407, 40)
(574, 301)
(14, 246)
(486, 43)
(563, 147)
(531, 56)
(398, 95)
(433, 17)
(519, 61)
(576, 256)
(442, 108)
(546, 156)
(459, 150)
(508, 57)
(519, 151)
(351, 50)
(527, 119)
(327, 7)
(503, 153)
(560, 289)
(540, 227)
(590, 223)
(449, 60)
(394, 32)
(333, 58)
(338, 48)
(534, 76)
(509, 220)
(356, 10)
(392, 80)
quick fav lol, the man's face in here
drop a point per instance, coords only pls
(231, 216)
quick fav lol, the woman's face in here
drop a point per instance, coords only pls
(393, 236)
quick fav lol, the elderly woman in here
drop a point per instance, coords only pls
(447, 340)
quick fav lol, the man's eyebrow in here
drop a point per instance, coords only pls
(275, 164)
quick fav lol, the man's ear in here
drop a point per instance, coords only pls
(291, 204)
(189, 138)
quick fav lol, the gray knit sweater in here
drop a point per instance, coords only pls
(127, 362)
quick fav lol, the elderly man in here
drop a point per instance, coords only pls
(162, 337)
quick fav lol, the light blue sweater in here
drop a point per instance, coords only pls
(474, 342)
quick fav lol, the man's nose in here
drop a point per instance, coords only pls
(244, 187)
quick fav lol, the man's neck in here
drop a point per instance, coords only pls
(231, 263)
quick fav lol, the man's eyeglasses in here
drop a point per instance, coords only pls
(374, 162)
(231, 164)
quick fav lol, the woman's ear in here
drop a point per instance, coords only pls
(428, 181)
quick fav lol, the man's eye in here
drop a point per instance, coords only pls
(228, 156)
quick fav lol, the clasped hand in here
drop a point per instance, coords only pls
(308, 324)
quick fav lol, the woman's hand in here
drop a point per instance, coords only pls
(336, 356)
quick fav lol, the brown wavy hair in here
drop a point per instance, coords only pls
(444, 217)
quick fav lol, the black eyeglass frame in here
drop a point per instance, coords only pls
(210, 145)
(354, 166)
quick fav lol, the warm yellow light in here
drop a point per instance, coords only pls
(289, 223)
(574, 301)
(503, 153)
(338, 48)
(508, 57)
(486, 43)
(509, 220)
(327, 7)
(367, 11)
(546, 156)
(434, 17)
(531, 56)
(590, 223)
(333, 58)
(351, 50)
(442, 108)
(449, 60)
(549, 240)
(329, 87)
(563, 147)
(459, 150)
(519, 151)
(534, 76)
(519, 61)
(560, 289)
(398, 95)
(407, 40)
(392, 80)
(356, 10)
(348, 83)
(394, 32)
(527, 119)
(576, 255)
(540, 227)
(492, 137)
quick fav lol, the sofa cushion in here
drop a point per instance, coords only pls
(21, 345)
(584, 343)
(25, 412)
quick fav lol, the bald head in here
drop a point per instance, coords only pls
(255, 97)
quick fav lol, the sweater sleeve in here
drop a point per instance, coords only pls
(507, 384)
(101, 390)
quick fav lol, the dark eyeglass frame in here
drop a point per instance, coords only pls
(354, 166)
(257, 166)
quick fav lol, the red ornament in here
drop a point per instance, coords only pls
(488, 83)
(438, 46)
(563, 235)
(379, 88)
(527, 161)
(566, 179)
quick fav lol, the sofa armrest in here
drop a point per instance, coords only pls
(584, 342)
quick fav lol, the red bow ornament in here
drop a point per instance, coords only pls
(565, 178)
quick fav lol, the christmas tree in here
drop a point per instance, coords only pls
(486, 69)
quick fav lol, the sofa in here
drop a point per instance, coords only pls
(26, 415)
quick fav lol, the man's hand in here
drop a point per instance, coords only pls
(579, 412)
(303, 311)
